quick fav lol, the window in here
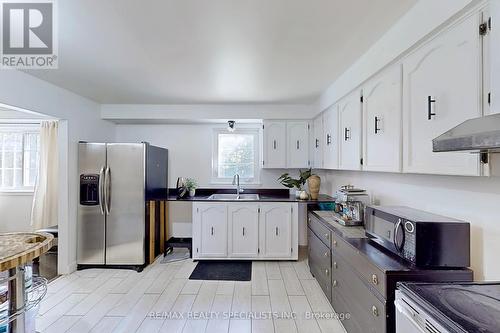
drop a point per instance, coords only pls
(19, 155)
(236, 153)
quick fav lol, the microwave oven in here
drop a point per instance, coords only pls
(424, 239)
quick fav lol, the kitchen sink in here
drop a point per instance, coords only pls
(234, 197)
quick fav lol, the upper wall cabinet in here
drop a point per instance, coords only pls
(317, 143)
(441, 89)
(297, 133)
(382, 121)
(286, 144)
(350, 131)
(331, 138)
(274, 144)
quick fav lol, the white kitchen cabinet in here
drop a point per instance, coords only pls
(317, 142)
(297, 133)
(382, 106)
(243, 225)
(276, 230)
(274, 144)
(245, 230)
(331, 138)
(441, 89)
(210, 228)
(350, 131)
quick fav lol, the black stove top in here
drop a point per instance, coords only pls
(461, 307)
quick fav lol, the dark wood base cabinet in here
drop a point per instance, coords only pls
(359, 278)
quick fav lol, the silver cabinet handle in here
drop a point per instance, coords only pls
(327, 236)
(334, 283)
(327, 272)
(334, 243)
(101, 190)
(107, 190)
(375, 311)
(335, 265)
(326, 254)
(374, 279)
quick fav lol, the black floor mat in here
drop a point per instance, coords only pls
(222, 270)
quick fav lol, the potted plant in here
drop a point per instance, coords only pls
(287, 181)
(191, 186)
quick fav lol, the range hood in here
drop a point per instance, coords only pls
(477, 135)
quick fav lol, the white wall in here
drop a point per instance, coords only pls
(190, 151)
(420, 21)
(473, 199)
(16, 211)
(83, 122)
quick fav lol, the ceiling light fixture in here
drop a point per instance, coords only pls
(230, 125)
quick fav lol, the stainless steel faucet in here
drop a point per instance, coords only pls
(236, 181)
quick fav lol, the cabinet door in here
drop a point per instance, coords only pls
(276, 230)
(211, 221)
(441, 89)
(317, 142)
(243, 228)
(382, 148)
(331, 138)
(297, 144)
(274, 144)
(350, 131)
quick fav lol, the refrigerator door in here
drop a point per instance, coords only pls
(125, 204)
(91, 217)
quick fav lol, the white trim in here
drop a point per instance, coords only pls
(16, 192)
(252, 130)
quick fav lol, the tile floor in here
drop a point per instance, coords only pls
(162, 299)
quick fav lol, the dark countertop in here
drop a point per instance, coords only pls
(265, 195)
(385, 260)
(262, 198)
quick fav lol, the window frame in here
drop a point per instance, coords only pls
(24, 129)
(256, 132)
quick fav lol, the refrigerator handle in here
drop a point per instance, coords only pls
(107, 190)
(101, 189)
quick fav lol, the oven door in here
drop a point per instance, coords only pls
(385, 229)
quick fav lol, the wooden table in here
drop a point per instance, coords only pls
(16, 250)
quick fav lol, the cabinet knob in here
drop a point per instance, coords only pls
(326, 254)
(309, 219)
(374, 279)
(334, 243)
(327, 236)
(334, 283)
(327, 272)
(375, 311)
(335, 264)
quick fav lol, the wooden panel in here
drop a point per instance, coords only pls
(162, 226)
(152, 218)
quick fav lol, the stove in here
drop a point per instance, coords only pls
(443, 307)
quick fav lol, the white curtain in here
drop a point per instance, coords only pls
(45, 199)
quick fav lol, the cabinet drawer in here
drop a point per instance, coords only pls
(369, 272)
(319, 263)
(324, 282)
(366, 308)
(318, 250)
(323, 233)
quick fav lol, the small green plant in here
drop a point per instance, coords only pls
(191, 184)
(290, 182)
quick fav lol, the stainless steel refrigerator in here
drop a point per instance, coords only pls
(116, 180)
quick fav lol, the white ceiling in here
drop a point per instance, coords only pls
(213, 51)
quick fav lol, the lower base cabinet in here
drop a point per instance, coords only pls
(245, 230)
(360, 279)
